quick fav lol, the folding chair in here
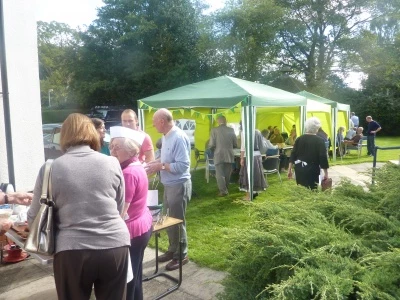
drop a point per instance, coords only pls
(199, 156)
(272, 152)
(271, 166)
(210, 166)
(357, 147)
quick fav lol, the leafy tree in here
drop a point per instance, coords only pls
(245, 31)
(57, 43)
(314, 35)
(138, 48)
(379, 58)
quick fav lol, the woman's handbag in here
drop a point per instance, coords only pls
(41, 233)
(326, 184)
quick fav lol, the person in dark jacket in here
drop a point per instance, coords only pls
(309, 156)
(373, 128)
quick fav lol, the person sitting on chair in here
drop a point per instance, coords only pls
(340, 137)
(355, 139)
(267, 144)
(292, 138)
(276, 137)
(350, 133)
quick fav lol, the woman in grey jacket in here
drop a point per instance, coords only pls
(92, 240)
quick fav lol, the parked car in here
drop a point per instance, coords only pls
(188, 126)
(111, 115)
(52, 148)
(47, 130)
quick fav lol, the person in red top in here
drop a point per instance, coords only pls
(129, 120)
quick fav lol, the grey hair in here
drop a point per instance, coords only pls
(131, 146)
(312, 125)
(265, 133)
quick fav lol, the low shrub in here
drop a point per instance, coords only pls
(339, 245)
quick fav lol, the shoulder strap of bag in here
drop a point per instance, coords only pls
(46, 185)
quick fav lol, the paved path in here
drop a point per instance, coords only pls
(28, 280)
(31, 281)
(358, 174)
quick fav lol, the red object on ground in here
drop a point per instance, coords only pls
(15, 254)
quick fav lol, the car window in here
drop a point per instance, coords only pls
(46, 139)
(113, 114)
(99, 113)
(47, 131)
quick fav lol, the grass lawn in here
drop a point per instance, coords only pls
(212, 221)
(383, 155)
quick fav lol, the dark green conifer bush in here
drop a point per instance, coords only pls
(342, 244)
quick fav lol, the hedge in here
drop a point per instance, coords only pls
(342, 244)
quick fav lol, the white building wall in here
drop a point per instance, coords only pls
(24, 95)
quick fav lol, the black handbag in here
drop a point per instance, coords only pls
(41, 238)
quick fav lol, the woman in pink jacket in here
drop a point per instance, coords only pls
(125, 145)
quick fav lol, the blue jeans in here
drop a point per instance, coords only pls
(371, 144)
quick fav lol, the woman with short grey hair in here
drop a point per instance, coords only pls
(309, 156)
(312, 125)
(125, 146)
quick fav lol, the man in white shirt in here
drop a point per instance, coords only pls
(355, 120)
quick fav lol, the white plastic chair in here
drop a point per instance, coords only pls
(357, 147)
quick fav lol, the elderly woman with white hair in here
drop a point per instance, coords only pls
(309, 156)
(125, 146)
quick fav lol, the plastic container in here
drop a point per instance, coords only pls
(5, 213)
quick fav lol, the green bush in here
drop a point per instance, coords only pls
(57, 115)
(339, 245)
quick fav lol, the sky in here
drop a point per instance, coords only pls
(78, 12)
(72, 12)
(82, 12)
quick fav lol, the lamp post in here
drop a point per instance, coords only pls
(50, 90)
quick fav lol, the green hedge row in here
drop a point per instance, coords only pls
(57, 115)
(339, 245)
